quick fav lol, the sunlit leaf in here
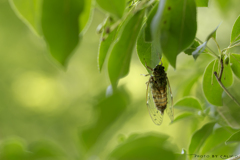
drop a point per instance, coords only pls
(235, 64)
(212, 90)
(178, 28)
(60, 27)
(235, 36)
(188, 103)
(234, 138)
(202, 3)
(200, 49)
(119, 60)
(104, 48)
(216, 139)
(109, 110)
(30, 12)
(114, 7)
(199, 138)
(148, 146)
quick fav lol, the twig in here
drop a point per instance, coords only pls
(221, 71)
(225, 89)
(234, 158)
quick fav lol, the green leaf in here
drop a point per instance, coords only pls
(104, 47)
(13, 149)
(235, 64)
(155, 28)
(216, 140)
(85, 16)
(114, 7)
(192, 48)
(107, 116)
(199, 138)
(235, 36)
(44, 150)
(182, 116)
(212, 90)
(119, 60)
(200, 49)
(147, 146)
(147, 35)
(30, 12)
(178, 28)
(235, 138)
(60, 27)
(202, 3)
(188, 103)
(145, 52)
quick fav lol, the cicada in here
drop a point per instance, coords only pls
(159, 95)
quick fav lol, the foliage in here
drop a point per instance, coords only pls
(160, 31)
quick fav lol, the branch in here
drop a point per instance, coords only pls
(225, 89)
(234, 158)
(221, 71)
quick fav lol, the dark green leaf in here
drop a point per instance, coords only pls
(145, 53)
(104, 47)
(182, 156)
(155, 28)
(147, 147)
(30, 12)
(202, 3)
(188, 103)
(235, 36)
(212, 90)
(216, 140)
(60, 27)
(200, 49)
(109, 111)
(148, 36)
(114, 7)
(234, 138)
(235, 64)
(178, 28)
(199, 138)
(119, 60)
(182, 116)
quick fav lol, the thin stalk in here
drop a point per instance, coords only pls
(225, 89)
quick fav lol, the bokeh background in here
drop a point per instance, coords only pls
(41, 103)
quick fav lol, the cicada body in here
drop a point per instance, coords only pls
(159, 96)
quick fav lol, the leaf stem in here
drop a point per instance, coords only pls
(225, 89)
(211, 51)
(229, 47)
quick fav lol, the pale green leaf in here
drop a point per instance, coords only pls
(235, 138)
(235, 36)
(188, 103)
(235, 64)
(30, 12)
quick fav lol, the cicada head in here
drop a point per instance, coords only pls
(159, 71)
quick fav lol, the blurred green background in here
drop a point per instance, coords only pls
(45, 105)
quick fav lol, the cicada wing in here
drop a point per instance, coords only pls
(169, 108)
(155, 115)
